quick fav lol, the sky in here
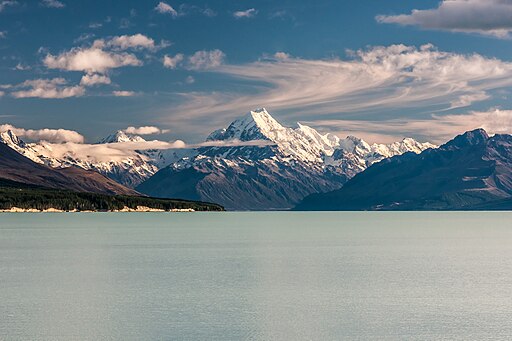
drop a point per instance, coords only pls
(176, 70)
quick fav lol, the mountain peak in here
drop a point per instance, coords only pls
(11, 139)
(255, 125)
(120, 137)
(469, 138)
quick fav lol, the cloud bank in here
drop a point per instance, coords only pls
(487, 17)
(50, 135)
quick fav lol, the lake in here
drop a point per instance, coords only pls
(256, 276)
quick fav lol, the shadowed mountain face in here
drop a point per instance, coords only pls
(258, 164)
(16, 167)
(469, 171)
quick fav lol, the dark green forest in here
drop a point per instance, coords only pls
(13, 194)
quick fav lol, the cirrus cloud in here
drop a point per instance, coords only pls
(435, 128)
(392, 80)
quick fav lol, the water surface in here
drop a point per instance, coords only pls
(256, 276)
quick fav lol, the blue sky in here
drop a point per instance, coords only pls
(374, 69)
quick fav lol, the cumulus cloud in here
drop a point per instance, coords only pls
(123, 93)
(3, 34)
(205, 60)
(281, 55)
(94, 79)
(145, 130)
(488, 17)
(7, 3)
(50, 135)
(91, 59)
(172, 62)
(125, 42)
(165, 8)
(250, 13)
(52, 4)
(47, 88)
(378, 79)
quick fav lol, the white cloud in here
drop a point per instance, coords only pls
(205, 60)
(50, 135)
(376, 79)
(104, 152)
(281, 55)
(22, 67)
(135, 41)
(488, 17)
(47, 88)
(436, 128)
(6, 3)
(91, 59)
(165, 8)
(52, 4)
(94, 79)
(3, 34)
(2, 93)
(123, 93)
(95, 25)
(145, 130)
(172, 62)
(250, 13)
(190, 80)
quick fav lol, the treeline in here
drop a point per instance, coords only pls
(43, 199)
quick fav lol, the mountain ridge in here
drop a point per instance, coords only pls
(469, 170)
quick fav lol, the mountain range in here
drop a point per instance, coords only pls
(16, 168)
(254, 163)
(472, 171)
(258, 164)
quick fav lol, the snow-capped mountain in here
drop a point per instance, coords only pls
(127, 167)
(120, 137)
(256, 163)
(472, 171)
(353, 155)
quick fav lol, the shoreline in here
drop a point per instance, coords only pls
(123, 210)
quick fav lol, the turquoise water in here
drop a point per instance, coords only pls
(256, 276)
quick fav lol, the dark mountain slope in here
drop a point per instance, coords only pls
(469, 170)
(16, 167)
